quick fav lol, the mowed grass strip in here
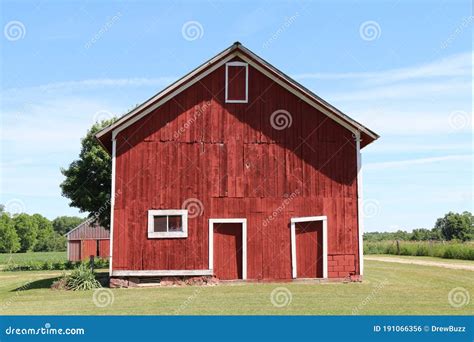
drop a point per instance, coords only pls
(388, 289)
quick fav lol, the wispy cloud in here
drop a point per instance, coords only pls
(418, 161)
(98, 83)
(452, 66)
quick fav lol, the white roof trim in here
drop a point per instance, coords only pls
(89, 220)
(190, 79)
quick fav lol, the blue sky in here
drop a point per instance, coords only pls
(402, 68)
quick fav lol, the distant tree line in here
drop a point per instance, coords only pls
(24, 233)
(453, 226)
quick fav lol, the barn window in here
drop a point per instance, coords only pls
(167, 223)
(236, 82)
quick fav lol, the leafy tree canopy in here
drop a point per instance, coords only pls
(88, 179)
(63, 224)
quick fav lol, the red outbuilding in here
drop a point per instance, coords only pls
(86, 240)
(236, 171)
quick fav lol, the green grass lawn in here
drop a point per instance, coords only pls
(6, 258)
(388, 288)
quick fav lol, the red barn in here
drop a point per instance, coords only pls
(86, 240)
(236, 171)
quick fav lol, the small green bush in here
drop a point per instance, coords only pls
(82, 278)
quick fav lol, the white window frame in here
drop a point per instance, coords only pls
(243, 221)
(167, 235)
(295, 220)
(236, 64)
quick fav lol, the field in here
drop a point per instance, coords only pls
(446, 250)
(388, 289)
(31, 256)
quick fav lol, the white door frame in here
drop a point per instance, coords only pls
(295, 220)
(243, 221)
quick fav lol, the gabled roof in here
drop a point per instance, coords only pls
(89, 229)
(106, 135)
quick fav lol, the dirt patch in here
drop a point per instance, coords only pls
(423, 263)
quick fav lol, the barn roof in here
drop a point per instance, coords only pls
(106, 135)
(88, 230)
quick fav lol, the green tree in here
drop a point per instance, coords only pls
(9, 241)
(456, 226)
(27, 229)
(46, 234)
(63, 224)
(88, 179)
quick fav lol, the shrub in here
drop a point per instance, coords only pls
(52, 265)
(81, 278)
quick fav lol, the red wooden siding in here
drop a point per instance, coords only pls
(83, 240)
(89, 248)
(87, 230)
(236, 82)
(309, 249)
(228, 250)
(104, 248)
(231, 158)
(74, 250)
